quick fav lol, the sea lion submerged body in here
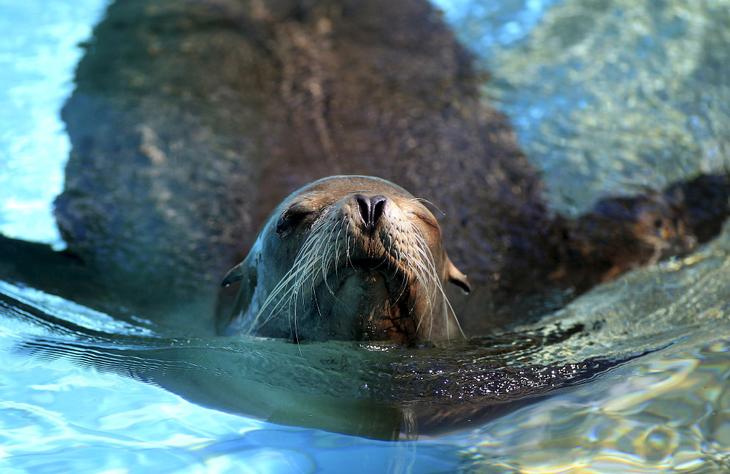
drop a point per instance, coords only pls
(347, 257)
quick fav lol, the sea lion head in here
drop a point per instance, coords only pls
(347, 257)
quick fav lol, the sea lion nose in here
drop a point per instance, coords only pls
(371, 208)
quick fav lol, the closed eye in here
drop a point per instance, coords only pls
(292, 218)
(428, 220)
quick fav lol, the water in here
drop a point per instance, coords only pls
(37, 56)
(605, 97)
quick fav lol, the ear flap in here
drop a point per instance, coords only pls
(455, 276)
(234, 274)
(229, 320)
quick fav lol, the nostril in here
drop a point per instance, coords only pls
(363, 205)
(377, 206)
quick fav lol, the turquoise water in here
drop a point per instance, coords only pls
(605, 97)
(37, 58)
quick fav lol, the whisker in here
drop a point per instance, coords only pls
(287, 290)
(417, 199)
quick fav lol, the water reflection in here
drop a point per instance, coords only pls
(667, 410)
(663, 410)
(374, 390)
(660, 413)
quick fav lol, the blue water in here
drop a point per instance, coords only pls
(38, 54)
(605, 97)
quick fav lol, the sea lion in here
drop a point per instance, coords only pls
(347, 257)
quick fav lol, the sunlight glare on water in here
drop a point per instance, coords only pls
(38, 56)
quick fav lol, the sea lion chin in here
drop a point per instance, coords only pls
(350, 258)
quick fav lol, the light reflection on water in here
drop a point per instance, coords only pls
(57, 417)
(38, 55)
(665, 412)
(666, 409)
(599, 106)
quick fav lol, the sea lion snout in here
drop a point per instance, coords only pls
(371, 209)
